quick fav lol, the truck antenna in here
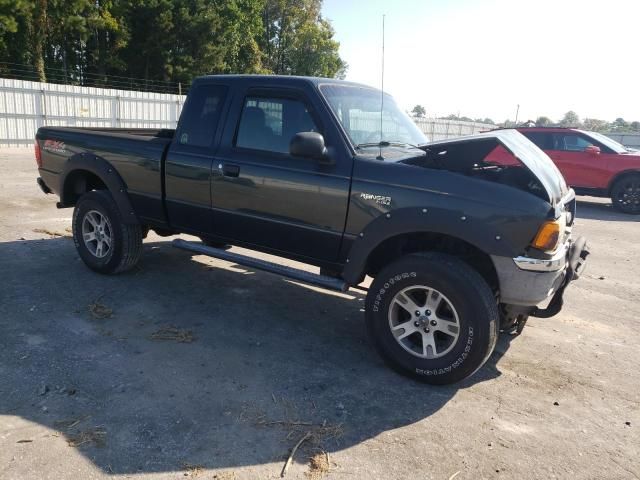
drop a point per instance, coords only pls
(380, 157)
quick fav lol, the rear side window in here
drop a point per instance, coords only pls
(269, 124)
(201, 115)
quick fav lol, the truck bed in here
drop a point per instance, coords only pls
(136, 154)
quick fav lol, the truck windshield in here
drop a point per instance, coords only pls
(358, 109)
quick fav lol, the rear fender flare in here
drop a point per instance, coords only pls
(109, 176)
(421, 220)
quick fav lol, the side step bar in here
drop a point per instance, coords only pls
(324, 281)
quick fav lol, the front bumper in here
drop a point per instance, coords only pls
(528, 282)
(576, 264)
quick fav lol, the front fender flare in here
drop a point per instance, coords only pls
(109, 176)
(482, 235)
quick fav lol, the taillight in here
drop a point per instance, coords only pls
(38, 154)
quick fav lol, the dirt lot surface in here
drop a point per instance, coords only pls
(193, 367)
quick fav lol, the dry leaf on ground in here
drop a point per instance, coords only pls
(99, 310)
(94, 435)
(52, 233)
(318, 466)
(170, 332)
(192, 470)
(69, 423)
(225, 476)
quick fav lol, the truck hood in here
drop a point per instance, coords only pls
(534, 159)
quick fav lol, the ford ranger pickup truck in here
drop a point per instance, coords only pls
(462, 238)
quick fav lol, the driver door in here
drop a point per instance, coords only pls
(264, 196)
(579, 167)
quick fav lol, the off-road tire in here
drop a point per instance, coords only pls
(467, 292)
(126, 239)
(625, 194)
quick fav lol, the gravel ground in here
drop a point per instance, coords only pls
(87, 390)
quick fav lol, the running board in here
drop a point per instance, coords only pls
(294, 273)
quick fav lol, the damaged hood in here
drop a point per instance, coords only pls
(534, 159)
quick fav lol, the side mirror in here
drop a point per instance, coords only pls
(592, 149)
(309, 145)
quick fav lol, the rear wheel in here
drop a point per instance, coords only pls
(103, 241)
(432, 317)
(625, 194)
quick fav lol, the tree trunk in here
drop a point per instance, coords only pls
(40, 34)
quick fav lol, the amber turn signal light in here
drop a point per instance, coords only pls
(547, 237)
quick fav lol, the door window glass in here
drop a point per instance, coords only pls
(271, 123)
(570, 142)
(200, 116)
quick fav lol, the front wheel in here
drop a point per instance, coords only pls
(625, 194)
(104, 242)
(432, 317)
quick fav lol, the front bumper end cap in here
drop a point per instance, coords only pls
(557, 262)
(576, 260)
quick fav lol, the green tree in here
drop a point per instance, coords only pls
(570, 119)
(39, 37)
(10, 13)
(595, 125)
(13, 33)
(107, 35)
(419, 111)
(635, 126)
(149, 26)
(297, 40)
(101, 42)
(239, 32)
(543, 122)
(619, 125)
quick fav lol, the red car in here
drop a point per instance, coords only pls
(592, 164)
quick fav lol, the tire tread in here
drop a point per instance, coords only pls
(483, 292)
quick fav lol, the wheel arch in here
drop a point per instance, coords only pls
(619, 176)
(84, 173)
(388, 238)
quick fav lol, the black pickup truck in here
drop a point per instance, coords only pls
(463, 238)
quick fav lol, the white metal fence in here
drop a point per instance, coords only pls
(25, 106)
(441, 129)
(631, 140)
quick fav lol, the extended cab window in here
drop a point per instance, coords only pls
(570, 142)
(270, 123)
(200, 117)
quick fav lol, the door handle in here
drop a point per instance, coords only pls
(230, 170)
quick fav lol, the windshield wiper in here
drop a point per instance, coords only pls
(386, 143)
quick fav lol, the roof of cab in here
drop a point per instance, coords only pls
(279, 79)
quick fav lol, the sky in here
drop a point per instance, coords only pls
(481, 58)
